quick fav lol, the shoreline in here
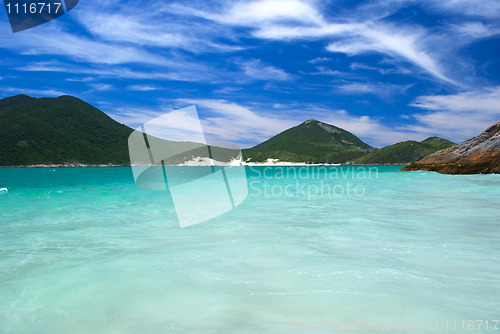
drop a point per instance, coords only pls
(283, 164)
(200, 162)
(64, 166)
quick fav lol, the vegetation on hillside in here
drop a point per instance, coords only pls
(59, 130)
(69, 130)
(404, 152)
(311, 141)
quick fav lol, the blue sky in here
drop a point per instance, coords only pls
(387, 71)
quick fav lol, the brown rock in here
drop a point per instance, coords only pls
(479, 155)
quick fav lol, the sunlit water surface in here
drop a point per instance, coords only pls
(83, 250)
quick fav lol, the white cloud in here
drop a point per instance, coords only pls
(395, 67)
(133, 33)
(84, 79)
(111, 50)
(257, 12)
(227, 90)
(239, 123)
(117, 27)
(143, 27)
(358, 31)
(357, 37)
(255, 69)
(371, 130)
(486, 101)
(226, 121)
(34, 92)
(478, 8)
(475, 30)
(323, 70)
(222, 120)
(458, 116)
(357, 88)
(318, 60)
(79, 48)
(177, 125)
(403, 44)
(235, 123)
(382, 90)
(273, 10)
(181, 71)
(134, 116)
(101, 86)
(143, 88)
(354, 66)
(287, 32)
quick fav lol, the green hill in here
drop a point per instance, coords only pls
(59, 130)
(404, 152)
(311, 141)
(69, 130)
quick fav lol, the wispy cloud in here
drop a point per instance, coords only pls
(370, 129)
(478, 8)
(382, 90)
(475, 30)
(33, 92)
(458, 116)
(135, 24)
(256, 69)
(222, 120)
(143, 88)
(182, 71)
(404, 43)
(352, 34)
(381, 67)
(256, 12)
(318, 60)
(101, 86)
(232, 122)
(245, 125)
(324, 70)
(123, 46)
(84, 79)
(132, 33)
(57, 42)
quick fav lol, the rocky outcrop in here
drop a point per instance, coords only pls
(479, 155)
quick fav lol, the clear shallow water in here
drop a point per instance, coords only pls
(83, 250)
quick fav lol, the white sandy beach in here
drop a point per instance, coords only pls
(199, 161)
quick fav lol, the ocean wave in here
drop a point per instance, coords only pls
(4, 190)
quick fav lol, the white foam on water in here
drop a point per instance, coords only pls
(4, 190)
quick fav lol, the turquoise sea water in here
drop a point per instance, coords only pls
(83, 250)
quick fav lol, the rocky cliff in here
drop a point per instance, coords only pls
(479, 155)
